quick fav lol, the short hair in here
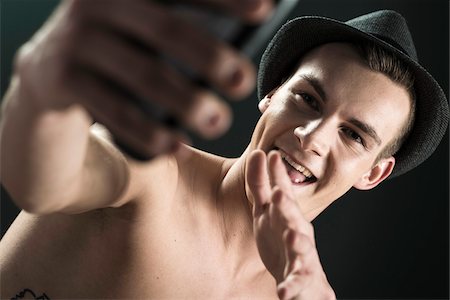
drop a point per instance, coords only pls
(387, 63)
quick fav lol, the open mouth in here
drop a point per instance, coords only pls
(297, 173)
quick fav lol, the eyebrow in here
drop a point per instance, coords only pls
(315, 83)
(367, 129)
(317, 86)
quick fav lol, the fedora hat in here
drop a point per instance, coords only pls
(388, 30)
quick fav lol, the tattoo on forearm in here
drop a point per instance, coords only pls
(29, 293)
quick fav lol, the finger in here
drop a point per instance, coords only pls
(287, 210)
(197, 110)
(278, 222)
(277, 173)
(124, 121)
(258, 181)
(286, 214)
(301, 248)
(287, 205)
(293, 263)
(157, 27)
(293, 286)
(251, 11)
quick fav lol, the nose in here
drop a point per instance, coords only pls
(315, 137)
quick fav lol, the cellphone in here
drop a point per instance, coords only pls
(248, 39)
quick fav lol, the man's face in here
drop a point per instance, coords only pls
(332, 117)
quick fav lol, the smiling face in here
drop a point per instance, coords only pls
(330, 121)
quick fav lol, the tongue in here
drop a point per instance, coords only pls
(296, 176)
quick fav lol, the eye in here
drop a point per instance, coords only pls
(353, 135)
(310, 101)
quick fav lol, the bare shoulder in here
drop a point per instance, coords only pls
(111, 179)
(134, 180)
(200, 168)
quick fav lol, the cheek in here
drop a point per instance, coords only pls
(277, 119)
(285, 114)
(342, 173)
(349, 168)
(338, 179)
(269, 127)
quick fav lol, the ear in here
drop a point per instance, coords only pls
(376, 174)
(265, 102)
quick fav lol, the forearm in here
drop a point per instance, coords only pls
(42, 151)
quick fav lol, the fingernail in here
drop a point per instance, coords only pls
(209, 116)
(215, 122)
(236, 78)
(252, 4)
(239, 79)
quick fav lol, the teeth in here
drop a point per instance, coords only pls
(297, 166)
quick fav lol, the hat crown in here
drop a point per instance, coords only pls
(388, 26)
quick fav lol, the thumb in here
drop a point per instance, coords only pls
(258, 181)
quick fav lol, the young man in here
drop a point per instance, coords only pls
(188, 224)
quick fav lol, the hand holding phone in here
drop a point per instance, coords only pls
(119, 60)
(247, 37)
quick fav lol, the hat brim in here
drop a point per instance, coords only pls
(302, 34)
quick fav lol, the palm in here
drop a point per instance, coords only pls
(270, 249)
(285, 239)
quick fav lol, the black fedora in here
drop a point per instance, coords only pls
(385, 28)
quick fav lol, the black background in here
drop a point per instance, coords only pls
(391, 242)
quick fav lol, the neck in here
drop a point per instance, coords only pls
(232, 191)
(236, 209)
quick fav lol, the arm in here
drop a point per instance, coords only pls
(91, 61)
(52, 162)
(285, 239)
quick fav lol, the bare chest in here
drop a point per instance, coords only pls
(66, 259)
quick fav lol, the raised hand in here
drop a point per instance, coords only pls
(285, 239)
(109, 57)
